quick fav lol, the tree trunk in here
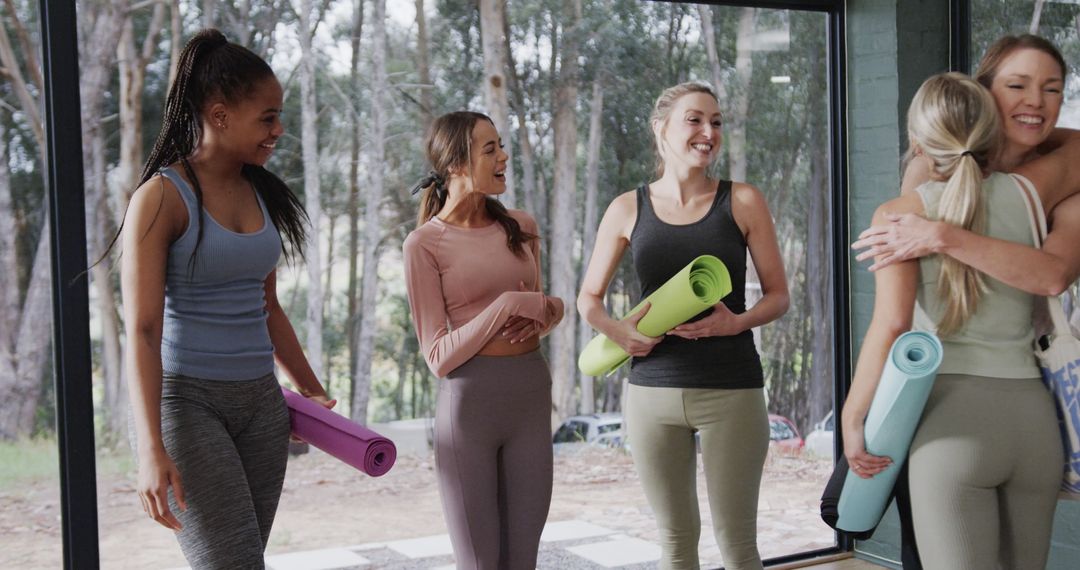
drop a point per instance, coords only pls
(818, 281)
(209, 14)
(563, 274)
(176, 38)
(22, 388)
(740, 98)
(1036, 15)
(372, 228)
(328, 285)
(592, 183)
(312, 193)
(423, 69)
(492, 24)
(352, 324)
(9, 259)
(27, 103)
(717, 71)
(529, 198)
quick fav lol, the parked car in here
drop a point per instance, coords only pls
(589, 429)
(783, 434)
(820, 441)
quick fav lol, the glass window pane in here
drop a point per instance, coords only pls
(769, 67)
(29, 472)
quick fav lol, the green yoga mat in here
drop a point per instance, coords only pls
(698, 286)
(890, 426)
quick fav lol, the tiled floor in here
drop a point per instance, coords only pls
(566, 545)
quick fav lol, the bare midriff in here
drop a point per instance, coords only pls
(501, 347)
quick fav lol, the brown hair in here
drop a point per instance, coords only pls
(449, 145)
(1005, 46)
(662, 111)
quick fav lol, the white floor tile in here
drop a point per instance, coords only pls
(423, 547)
(328, 559)
(571, 530)
(613, 553)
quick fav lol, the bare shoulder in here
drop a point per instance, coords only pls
(910, 203)
(747, 195)
(156, 205)
(621, 215)
(623, 208)
(1067, 209)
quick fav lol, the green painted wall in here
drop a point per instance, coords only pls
(892, 46)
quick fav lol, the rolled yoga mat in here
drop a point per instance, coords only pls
(346, 440)
(696, 287)
(890, 426)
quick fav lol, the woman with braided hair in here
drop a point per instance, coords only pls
(472, 269)
(201, 240)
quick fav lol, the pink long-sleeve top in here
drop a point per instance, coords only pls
(464, 284)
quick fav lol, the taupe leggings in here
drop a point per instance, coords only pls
(734, 432)
(985, 467)
(494, 460)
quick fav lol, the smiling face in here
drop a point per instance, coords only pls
(690, 137)
(487, 171)
(1027, 87)
(250, 128)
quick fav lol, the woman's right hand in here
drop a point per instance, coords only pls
(625, 334)
(157, 473)
(861, 462)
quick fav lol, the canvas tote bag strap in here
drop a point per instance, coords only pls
(1038, 232)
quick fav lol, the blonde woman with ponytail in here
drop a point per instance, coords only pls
(472, 270)
(986, 460)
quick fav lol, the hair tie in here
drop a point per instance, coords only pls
(967, 153)
(430, 178)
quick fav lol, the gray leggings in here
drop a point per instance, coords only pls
(734, 431)
(230, 441)
(985, 467)
(494, 460)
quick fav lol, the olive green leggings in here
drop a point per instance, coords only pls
(734, 432)
(985, 467)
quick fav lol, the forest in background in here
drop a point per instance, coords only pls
(569, 84)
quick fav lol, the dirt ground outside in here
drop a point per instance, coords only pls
(327, 504)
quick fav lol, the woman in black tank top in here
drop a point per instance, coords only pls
(703, 376)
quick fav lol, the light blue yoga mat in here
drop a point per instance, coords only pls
(890, 425)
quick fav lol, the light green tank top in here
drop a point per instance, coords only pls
(997, 340)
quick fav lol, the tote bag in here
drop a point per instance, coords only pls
(1058, 355)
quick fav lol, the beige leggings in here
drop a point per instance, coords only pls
(985, 467)
(734, 431)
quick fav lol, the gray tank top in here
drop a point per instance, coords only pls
(215, 315)
(659, 251)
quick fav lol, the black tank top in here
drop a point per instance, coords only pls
(659, 251)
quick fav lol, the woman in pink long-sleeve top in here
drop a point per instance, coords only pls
(472, 269)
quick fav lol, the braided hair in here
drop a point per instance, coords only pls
(449, 145)
(211, 67)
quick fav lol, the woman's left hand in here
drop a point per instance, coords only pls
(323, 401)
(722, 322)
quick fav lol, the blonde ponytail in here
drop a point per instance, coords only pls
(954, 122)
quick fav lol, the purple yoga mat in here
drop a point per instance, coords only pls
(350, 442)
